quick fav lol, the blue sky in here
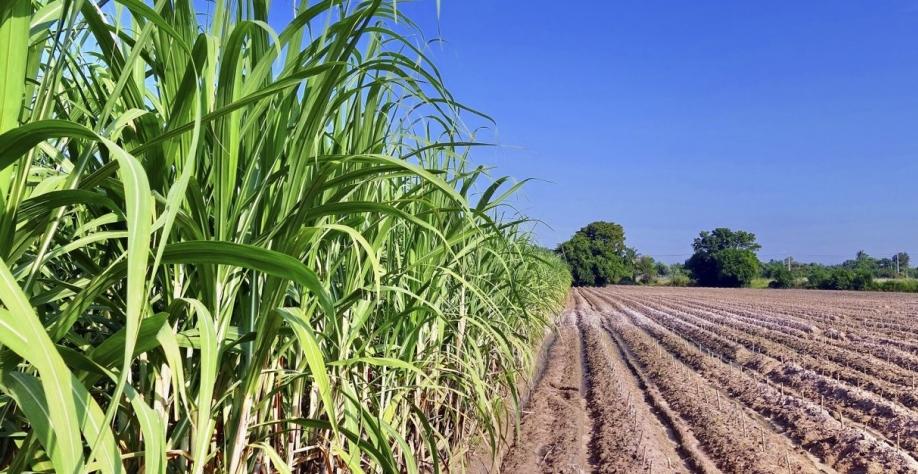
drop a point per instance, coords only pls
(794, 120)
(797, 121)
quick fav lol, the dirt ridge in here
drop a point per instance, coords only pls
(643, 380)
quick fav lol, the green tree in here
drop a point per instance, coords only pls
(645, 269)
(597, 255)
(724, 257)
(736, 267)
(662, 269)
(723, 238)
(818, 276)
(578, 254)
(861, 280)
(772, 267)
(781, 277)
(862, 261)
(702, 268)
(886, 268)
(840, 279)
(902, 259)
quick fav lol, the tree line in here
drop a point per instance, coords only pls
(598, 255)
(860, 273)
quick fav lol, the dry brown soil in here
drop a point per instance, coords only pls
(647, 379)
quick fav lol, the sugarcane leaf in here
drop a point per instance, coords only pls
(251, 257)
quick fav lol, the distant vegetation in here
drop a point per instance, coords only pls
(861, 273)
(597, 256)
(724, 257)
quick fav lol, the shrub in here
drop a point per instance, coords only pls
(818, 277)
(900, 285)
(781, 278)
(680, 279)
(840, 279)
(861, 280)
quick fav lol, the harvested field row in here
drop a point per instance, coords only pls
(697, 380)
(852, 345)
(896, 423)
(551, 437)
(819, 354)
(869, 313)
(741, 345)
(614, 404)
(885, 342)
(842, 446)
(588, 413)
(736, 440)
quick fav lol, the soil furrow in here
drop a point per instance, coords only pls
(627, 436)
(650, 379)
(845, 447)
(555, 427)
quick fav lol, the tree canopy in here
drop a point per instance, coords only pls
(724, 257)
(597, 255)
(723, 238)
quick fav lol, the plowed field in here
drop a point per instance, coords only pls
(645, 379)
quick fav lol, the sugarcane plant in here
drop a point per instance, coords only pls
(232, 247)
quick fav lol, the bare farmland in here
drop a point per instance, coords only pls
(646, 379)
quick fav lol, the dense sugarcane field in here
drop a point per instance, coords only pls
(229, 247)
(723, 380)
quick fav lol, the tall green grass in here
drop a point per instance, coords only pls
(232, 249)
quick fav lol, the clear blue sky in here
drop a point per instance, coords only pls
(796, 120)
